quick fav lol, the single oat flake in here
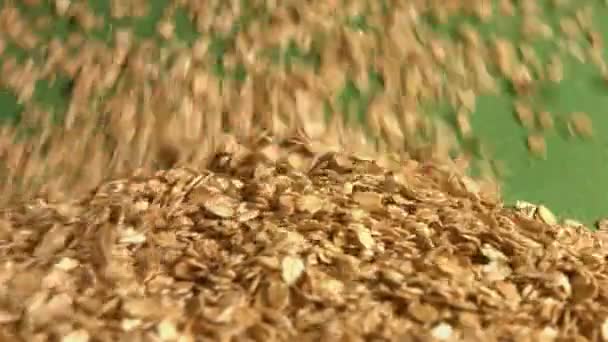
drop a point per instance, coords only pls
(546, 120)
(364, 236)
(442, 332)
(291, 269)
(220, 206)
(368, 200)
(537, 145)
(76, 336)
(580, 124)
(604, 330)
(309, 203)
(546, 215)
(423, 312)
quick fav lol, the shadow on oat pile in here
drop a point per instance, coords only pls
(224, 186)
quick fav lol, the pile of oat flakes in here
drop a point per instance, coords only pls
(256, 250)
(196, 191)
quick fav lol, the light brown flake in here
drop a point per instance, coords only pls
(292, 269)
(484, 10)
(364, 236)
(545, 120)
(464, 125)
(142, 308)
(569, 27)
(371, 201)
(526, 208)
(506, 7)
(128, 324)
(522, 79)
(66, 264)
(467, 99)
(393, 277)
(546, 215)
(584, 287)
(309, 203)
(331, 288)
(604, 329)
(438, 50)
(167, 331)
(555, 69)
(277, 295)
(221, 206)
(504, 55)
(533, 27)
(525, 114)
(424, 313)
(131, 237)
(573, 223)
(166, 29)
(470, 35)
(580, 124)
(509, 291)
(547, 334)
(443, 332)
(80, 335)
(62, 6)
(537, 145)
(7, 317)
(596, 57)
(595, 38)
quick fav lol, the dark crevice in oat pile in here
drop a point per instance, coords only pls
(198, 190)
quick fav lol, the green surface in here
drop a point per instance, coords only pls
(570, 180)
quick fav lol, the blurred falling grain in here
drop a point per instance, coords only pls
(299, 71)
